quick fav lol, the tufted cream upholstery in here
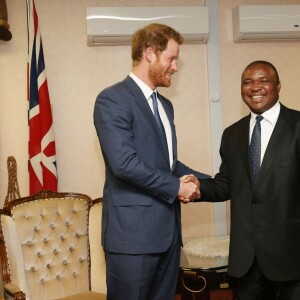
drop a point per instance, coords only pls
(47, 240)
(97, 261)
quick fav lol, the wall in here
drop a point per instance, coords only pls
(76, 74)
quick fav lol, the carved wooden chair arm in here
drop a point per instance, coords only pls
(12, 291)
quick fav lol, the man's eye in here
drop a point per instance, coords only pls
(246, 82)
(265, 81)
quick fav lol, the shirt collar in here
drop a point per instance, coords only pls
(271, 115)
(147, 91)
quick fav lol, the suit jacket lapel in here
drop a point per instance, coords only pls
(274, 146)
(173, 133)
(244, 144)
(146, 110)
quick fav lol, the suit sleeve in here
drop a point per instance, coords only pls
(217, 189)
(181, 170)
(113, 122)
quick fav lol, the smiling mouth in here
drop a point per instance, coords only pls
(257, 97)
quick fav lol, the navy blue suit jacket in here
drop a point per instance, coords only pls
(140, 210)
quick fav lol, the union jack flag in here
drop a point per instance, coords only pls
(42, 161)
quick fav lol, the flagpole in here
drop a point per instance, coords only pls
(27, 9)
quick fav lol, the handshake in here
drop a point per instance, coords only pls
(189, 189)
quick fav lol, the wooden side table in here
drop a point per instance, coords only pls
(205, 279)
(206, 284)
(226, 294)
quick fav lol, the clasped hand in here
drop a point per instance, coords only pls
(189, 189)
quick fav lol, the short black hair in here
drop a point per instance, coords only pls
(266, 63)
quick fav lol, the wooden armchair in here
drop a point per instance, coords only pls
(50, 247)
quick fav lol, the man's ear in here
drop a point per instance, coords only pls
(149, 54)
(279, 87)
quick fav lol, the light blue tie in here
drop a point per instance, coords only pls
(255, 149)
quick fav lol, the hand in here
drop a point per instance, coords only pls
(191, 178)
(189, 189)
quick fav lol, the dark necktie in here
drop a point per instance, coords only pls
(255, 149)
(157, 116)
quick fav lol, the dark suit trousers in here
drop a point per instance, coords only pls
(144, 276)
(255, 286)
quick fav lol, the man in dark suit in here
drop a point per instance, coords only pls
(265, 196)
(144, 180)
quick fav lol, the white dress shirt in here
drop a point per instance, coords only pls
(267, 126)
(147, 91)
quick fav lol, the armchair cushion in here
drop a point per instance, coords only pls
(85, 296)
(98, 265)
(14, 250)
